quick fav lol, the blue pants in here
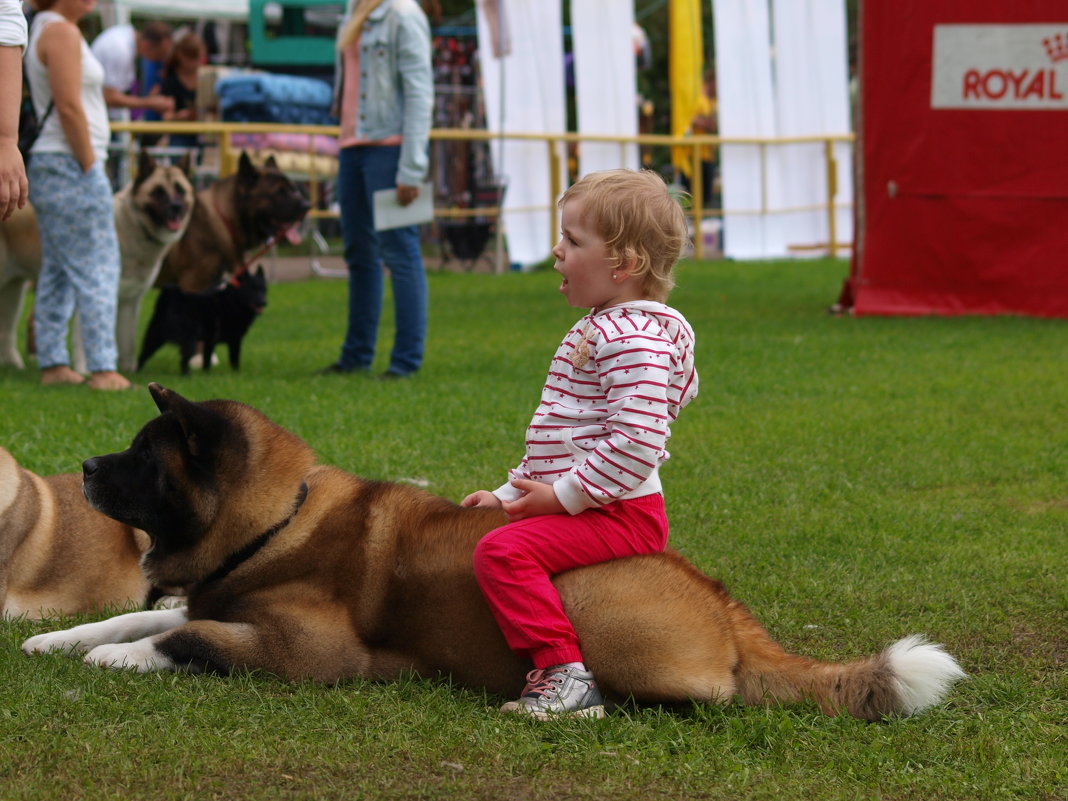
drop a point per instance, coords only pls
(361, 171)
(80, 262)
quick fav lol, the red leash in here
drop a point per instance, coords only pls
(243, 268)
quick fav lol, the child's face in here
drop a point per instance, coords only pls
(584, 262)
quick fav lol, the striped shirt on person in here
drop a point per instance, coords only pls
(615, 385)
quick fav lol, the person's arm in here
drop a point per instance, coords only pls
(13, 186)
(161, 104)
(417, 85)
(60, 50)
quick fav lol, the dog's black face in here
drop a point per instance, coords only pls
(250, 290)
(164, 194)
(270, 204)
(167, 482)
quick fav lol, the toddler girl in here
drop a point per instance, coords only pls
(588, 489)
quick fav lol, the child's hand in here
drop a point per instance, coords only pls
(482, 498)
(538, 499)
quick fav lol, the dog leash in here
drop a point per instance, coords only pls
(243, 268)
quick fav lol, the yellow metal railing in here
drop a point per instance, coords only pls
(556, 143)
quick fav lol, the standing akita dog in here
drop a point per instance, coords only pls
(311, 573)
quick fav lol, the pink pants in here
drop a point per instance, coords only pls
(514, 565)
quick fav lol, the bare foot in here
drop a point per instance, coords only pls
(109, 381)
(60, 374)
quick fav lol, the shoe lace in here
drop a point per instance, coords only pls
(543, 683)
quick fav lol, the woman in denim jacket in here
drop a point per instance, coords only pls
(384, 97)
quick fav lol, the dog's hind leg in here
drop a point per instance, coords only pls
(11, 294)
(235, 353)
(77, 345)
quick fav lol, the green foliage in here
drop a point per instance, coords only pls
(851, 480)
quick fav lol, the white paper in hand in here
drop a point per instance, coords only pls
(390, 214)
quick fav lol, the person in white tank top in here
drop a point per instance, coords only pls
(71, 194)
(13, 187)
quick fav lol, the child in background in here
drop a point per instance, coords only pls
(588, 489)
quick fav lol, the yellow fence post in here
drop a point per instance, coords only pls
(555, 190)
(832, 192)
(697, 196)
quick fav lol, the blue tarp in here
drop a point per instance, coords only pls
(269, 97)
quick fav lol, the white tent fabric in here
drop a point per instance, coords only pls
(812, 97)
(748, 173)
(807, 95)
(605, 82)
(120, 10)
(532, 76)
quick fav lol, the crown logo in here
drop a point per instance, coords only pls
(1056, 47)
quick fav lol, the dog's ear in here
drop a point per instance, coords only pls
(199, 425)
(186, 165)
(160, 396)
(246, 170)
(271, 164)
(145, 165)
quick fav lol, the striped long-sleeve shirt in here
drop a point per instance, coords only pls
(615, 385)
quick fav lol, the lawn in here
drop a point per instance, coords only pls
(851, 480)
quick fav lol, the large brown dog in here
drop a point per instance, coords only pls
(231, 217)
(58, 555)
(309, 572)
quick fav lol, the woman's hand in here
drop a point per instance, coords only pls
(13, 187)
(406, 194)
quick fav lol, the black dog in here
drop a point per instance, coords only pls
(222, 314)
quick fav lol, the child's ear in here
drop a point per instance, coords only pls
(623, 271)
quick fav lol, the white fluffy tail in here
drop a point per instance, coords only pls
(923, 672)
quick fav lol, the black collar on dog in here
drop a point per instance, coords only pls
(246, 553)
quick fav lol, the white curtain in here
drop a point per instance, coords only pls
(812, 97)
(805, 93)
(532, 77)
(602, 35)
(746, 109)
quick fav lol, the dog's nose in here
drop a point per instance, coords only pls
(89, 466)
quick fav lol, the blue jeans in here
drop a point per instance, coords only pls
(363, 170)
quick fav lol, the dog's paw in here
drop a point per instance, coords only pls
(53, 641)
(140, 656)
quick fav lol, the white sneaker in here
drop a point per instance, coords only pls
(560, 690)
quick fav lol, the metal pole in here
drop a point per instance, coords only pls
(500, 142)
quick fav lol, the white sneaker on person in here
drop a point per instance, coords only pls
(561, 690)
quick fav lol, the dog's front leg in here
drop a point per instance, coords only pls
(119, 629)
(196, 646)
(140, 655)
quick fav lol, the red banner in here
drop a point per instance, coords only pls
(962, 159)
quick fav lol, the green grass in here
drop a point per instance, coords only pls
(851, 480)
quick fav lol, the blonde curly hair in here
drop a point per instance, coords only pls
(643, 226)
